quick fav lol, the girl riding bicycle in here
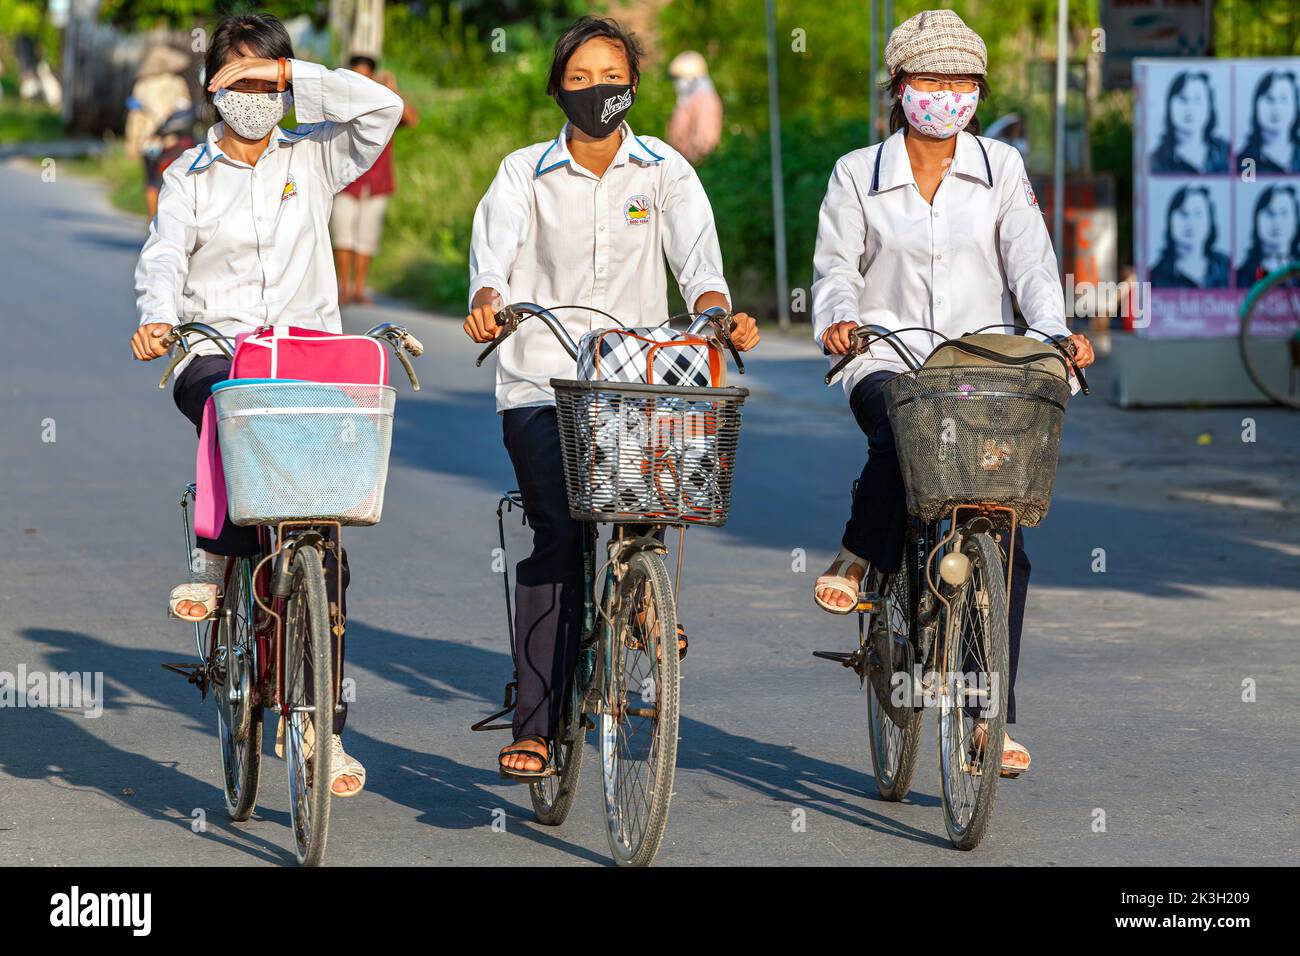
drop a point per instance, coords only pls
(584, 219)
(938, 227)
(241, 240)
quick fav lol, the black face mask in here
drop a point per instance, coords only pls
(597, 110)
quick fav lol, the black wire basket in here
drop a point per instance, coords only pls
(978, 434)
(650, 454)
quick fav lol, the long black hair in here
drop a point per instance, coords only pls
(589, 28)
(1168, 141)
(898, 119)
(1256, 253)
(1254, 140)
(260, 34)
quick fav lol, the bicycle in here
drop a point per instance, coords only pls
(270, 642)
(626, 684)
(1269, 336)
(944, 644)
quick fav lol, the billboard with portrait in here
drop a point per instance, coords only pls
(1216, 186)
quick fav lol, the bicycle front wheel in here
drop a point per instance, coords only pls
(894, 744)
(1269, 337)
(638, 726)
(974, 675)
(239, 721)
(309, 695)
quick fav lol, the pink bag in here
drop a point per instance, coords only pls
(288, 352)
(280, 351)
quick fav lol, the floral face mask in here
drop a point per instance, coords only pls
(252, 115)
(941, 114)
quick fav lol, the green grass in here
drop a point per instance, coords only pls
(22, 122)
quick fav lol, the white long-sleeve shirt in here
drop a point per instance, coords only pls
(885, 256)
(553, 233)
(239, 246)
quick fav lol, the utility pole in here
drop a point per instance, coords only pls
(1058, 173)
(778, 184)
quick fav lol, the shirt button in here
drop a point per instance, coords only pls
(938, 256)
(600, 228)
(936, 214)
(939, 301)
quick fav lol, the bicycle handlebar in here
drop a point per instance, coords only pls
(397, 337)
(511, 316)
(862, 338)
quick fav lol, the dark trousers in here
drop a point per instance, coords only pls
(191, 392)
(877, 525)
(549, 582)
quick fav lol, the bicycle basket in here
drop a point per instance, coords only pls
(648, 453)
(304, 450)
(977, 434)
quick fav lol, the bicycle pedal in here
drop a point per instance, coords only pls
(868, 603)
(846, 658)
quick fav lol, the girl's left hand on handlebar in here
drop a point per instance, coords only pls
(744, 334)
(147, 342)
(1083, 355)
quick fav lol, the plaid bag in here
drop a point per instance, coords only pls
(657, 356)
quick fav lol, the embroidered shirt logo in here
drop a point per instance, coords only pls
(637, 210)
(615, 105)
(1029, 193)
(290, 188)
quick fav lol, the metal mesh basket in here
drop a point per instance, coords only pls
(648, 453)
(977, 434)
(305, 450)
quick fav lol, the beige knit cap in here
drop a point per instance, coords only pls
(935, 41)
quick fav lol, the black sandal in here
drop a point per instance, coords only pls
(683, 642)
(510, 774)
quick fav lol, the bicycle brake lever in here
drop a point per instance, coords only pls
(410, 370)
(508, 325)
(171, 366)
(724, 333)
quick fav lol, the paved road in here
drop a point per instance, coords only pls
(1131, 686)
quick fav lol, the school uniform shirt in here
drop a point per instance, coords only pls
(884, 256)
(553, 233)
(239, 246)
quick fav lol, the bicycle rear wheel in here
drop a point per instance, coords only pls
(1269, 337)
(974, 686)
(894, 745)
(309, 694)
(553, 796)
(638, 726)
(239, 720)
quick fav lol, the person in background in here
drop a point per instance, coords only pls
(358, 220)
(159, 93)
(695, 128)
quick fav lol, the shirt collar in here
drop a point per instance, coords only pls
(633, 147)
(211, 150)
(893, 168)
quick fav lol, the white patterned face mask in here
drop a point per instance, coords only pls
(252, 115)
(941, 114)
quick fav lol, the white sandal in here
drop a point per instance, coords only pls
(1009, 746)
(835, 580)
(194, 594)
(341, 765)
